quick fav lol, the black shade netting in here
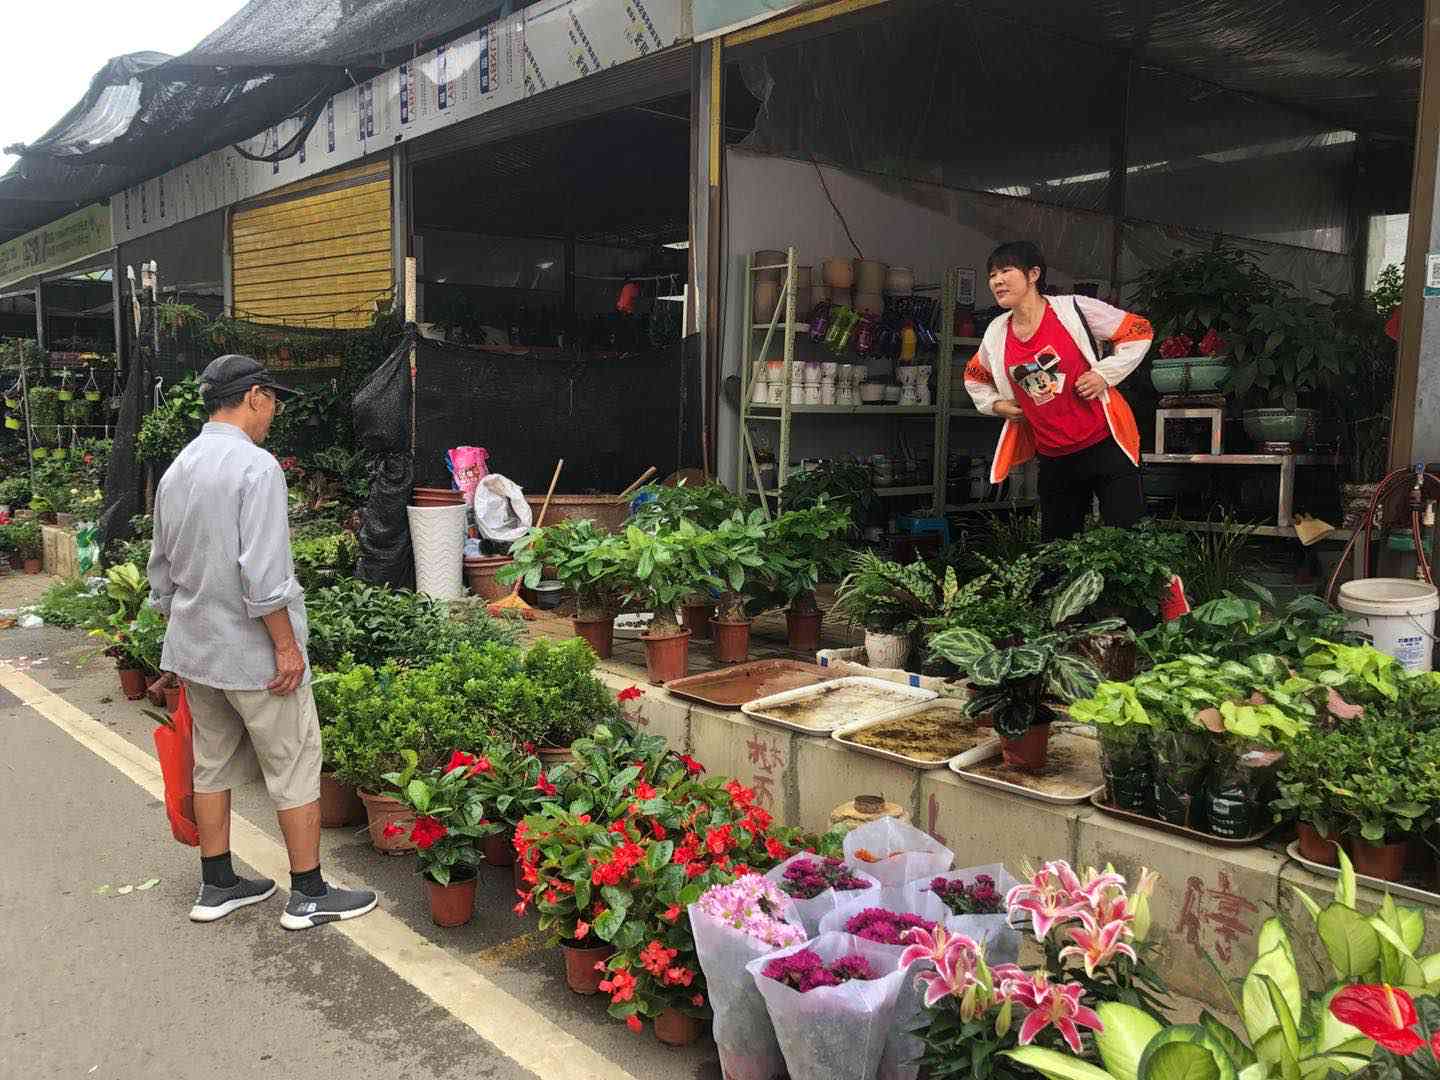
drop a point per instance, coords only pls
(610, 415)
(125, 477)
(382, 428)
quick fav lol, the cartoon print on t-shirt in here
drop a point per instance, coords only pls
(1037, 378)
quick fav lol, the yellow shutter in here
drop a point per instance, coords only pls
(316, 253)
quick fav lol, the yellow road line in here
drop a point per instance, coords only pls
(512, 1027)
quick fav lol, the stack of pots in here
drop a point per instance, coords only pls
(914, 383)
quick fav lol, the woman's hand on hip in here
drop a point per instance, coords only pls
(1091, 385)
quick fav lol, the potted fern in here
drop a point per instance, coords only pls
(891, 602)
(1021, 686)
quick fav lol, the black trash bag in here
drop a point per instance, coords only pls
(382, 426)
(125, 474)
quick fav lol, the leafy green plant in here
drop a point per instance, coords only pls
(450, 820)
(15, 491)
(1020, 685)
(370, 718)
(585, 558)
(375, 624)
(1200, 291)
(167, 429)
(1215, 557)
(134, 643)
(320, 560)
(803, 548)
(512, 786)
(128, 587)
(662, 507)
(656, 571)
(75, 604)
(1136, 564)
(1001, 603)
(43, 406)
(845, 485)
(1233, 628)
(886, 597)
(24, 539)
(1389, 290)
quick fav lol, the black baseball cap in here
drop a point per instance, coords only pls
(234, 374)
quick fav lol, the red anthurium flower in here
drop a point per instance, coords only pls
(633, 1023)
(630, 693)
(693, 767)
(1382, 1013)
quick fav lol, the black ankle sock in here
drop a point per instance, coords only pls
(216, 870)
(308, 882)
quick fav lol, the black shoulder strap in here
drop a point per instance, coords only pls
(1094, 344)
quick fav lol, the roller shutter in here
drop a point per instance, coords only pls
(316, 253)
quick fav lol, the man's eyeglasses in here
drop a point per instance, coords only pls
(279, 405)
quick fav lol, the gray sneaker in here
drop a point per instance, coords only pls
(215, 903)
(334, 904)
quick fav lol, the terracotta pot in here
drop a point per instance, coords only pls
(430, 496)
(1383, 861)
(499, 849)
(453, 904)
(480, 571)
(697, 618)
(381, 811)
(554, 755)
(172, 699)
(31, 566)
(667, 658)
(802, 629)
(339, 805)
(1315, 846)
(1029, 752)
(132, 683)
(675, 1028)
(838, 273)
(600, 633)
(580, 973)
(732, 640)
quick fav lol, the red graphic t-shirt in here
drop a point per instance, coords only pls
(1042, 374)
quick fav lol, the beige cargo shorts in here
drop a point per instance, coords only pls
(241, 733)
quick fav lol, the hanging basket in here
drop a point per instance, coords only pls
(12, 423)
(39, 453)
(92, 395)
(66, 395)
(11, 403)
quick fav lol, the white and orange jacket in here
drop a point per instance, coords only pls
(987, 381)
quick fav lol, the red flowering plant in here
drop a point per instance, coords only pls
(514, 783)
(449, 816)
(1405, 1029)
(636, 838)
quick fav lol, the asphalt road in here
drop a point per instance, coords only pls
(118, 987)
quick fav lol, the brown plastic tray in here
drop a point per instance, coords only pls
(731, 687)
(1098, 801)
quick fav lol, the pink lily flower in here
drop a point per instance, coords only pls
(932, 944)
(1058, 1005)
(1053, 895)
(954, 955)
(1097, 945)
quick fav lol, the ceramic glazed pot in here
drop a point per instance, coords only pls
(1188, 374)
(1029, 752)
(452, 904)
(339, 804)
(382, 810)
(1314, 845)
(886, 650)
(1279, 425)
(732, 640)
(600, 633)
(580, 973)
(667, 657)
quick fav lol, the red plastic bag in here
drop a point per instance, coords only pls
(173, 744)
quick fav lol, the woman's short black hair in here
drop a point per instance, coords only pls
(1021, 255)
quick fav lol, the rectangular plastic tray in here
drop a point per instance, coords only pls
(881, 710)
(1394, 888)
(732, 687)
(1081, 791)
(984, 748)
(1098, 801)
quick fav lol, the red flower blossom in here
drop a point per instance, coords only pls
(551, 896)
(426, 831)
(584, 819)
(482, 765)
(740, 796)
(644, 790)
(757, 820)
(582, 928)
(698, 1000)
(287, 463)
(1212, 343)
(519, 908)
(655, 957)
(544, 786)
(630, 693)
(459, 760)
(391, 831)
(1383, 1013)
(633, 1023)
(672, 913)
(695, 869)
(620, 986)
(740, 869)
(528, 746)
(718, 840)
(775, 849)
(679, 976)
(657, 830)
(693, 767)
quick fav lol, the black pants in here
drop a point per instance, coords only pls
(1067, 485)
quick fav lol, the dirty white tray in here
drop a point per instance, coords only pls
(885, 699)
(979, 752)
(1394, 888)
(1084, 749)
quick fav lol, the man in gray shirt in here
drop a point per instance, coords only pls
(221, 571)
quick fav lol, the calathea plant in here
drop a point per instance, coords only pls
(1020, 685)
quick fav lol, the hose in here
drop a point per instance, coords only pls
(1380, 514)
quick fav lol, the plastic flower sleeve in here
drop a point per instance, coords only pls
(833, 1032)
(994, 932)
(742, 1029)
(895, 852)
(810, 912)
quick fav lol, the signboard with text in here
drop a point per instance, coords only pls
(56, 245)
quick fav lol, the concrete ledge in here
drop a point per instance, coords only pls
(1210, 901)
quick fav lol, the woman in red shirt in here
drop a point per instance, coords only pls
(1040, 367)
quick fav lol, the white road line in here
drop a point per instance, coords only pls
(512, 1027)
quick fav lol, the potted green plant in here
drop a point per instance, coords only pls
(726, 558)
(136, 646)
(1127, 760)
(656, 572)
(1293, 353)
(587, 560)
(891, 602)
(513, 784)
(1303, 798)
(28, 544)
(43, 408)
(447, 832)
(803, 547)
(1020, 685)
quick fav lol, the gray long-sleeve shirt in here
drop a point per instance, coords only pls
(221, 561)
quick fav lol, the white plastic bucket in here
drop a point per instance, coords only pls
(1398, 614)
